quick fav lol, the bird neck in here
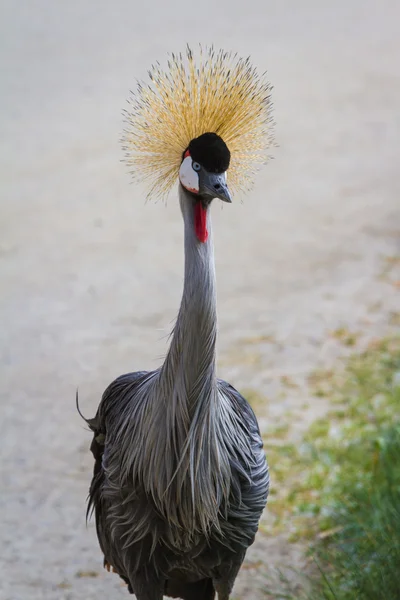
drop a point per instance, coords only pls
(190, 361)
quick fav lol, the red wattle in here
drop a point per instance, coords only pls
(200, 222)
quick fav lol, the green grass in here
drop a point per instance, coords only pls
(362, 559)
(348, 501)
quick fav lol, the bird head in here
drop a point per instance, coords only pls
(194, 120)
(203, 169)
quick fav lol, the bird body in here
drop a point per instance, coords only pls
(180, 477)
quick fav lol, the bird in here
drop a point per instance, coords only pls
(180, 476)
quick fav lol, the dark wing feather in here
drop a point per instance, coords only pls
(249, 485)
(250, 479)
(112, 402)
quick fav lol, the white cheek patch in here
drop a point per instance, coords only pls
(188, 177)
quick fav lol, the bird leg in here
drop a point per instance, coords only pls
(148, 588)
(223, 590)
(224, 585)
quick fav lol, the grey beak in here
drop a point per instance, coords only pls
(214, 184)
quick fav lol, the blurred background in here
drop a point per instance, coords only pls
(91, 275)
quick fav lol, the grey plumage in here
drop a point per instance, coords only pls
(180, 477)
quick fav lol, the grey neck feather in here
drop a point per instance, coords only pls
(191, 356)
(183, 461)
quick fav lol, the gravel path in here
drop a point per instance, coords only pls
(91, 276)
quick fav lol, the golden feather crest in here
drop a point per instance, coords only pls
(219, 92)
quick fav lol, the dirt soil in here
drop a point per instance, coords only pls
(91, 276)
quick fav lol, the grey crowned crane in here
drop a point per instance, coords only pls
(180, 477)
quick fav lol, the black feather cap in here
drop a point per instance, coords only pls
(211, 152)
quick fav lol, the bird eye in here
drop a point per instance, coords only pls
(196, 166)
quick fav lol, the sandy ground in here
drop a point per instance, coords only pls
(91, 276)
